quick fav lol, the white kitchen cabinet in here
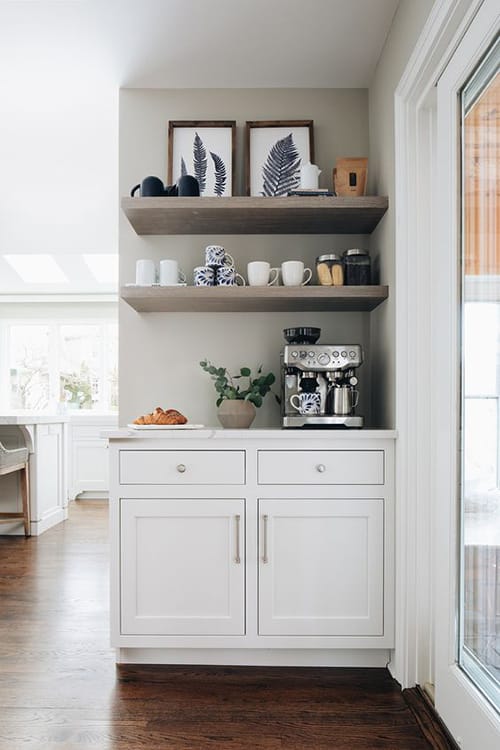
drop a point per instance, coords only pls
(183, 571)
(46, 438)
(321, 567)
(252, 547)
(88, 454)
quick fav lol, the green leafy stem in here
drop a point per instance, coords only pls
(227, 388)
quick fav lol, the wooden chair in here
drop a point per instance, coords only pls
(17, 460)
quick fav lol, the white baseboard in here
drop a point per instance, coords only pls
(255, 657)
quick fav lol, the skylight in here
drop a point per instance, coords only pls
(37, 269)
(103, 267)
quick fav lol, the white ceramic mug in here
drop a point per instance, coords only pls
(306, 403)
(170, 273)
(260, 273)
(293, 271)
(145, 272)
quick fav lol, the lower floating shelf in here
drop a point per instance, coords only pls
(254, 298)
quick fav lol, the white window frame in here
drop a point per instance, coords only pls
(54, 324)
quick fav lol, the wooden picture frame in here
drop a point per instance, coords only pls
(205, 149)
(268, 141)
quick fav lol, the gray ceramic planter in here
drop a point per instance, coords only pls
(236, 414)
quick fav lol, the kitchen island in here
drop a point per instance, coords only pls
(252, 546)
(45, 436)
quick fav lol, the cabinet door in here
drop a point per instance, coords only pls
(321, 567)
(182, 567)
(90, 471)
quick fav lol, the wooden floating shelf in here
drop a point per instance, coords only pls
(254, 298)
(243, 215)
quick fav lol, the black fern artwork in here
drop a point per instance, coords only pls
(220, 174)
(200, 162)
(280, 173)
(183, 167)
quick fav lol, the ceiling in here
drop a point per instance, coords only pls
(62, 63)
(199, 43)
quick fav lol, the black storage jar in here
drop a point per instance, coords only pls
(357, 267)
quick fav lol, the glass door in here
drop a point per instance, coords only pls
(479, 613)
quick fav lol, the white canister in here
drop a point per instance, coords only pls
(145, 272)
(309, 176)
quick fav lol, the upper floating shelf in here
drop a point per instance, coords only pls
(254, 298)
(243, 215)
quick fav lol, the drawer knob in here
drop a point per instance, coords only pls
(181, 468)
(321, 468)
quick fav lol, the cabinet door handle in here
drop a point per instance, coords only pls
(237, 558)
(321, 468)
(265, 557)
(181, 468)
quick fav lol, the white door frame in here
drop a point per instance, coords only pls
(425, 319)
(470, 718)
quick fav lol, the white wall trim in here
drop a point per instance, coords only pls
(414, 242)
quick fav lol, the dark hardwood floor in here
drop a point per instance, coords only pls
(60, 689)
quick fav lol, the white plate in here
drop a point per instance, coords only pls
(148, 286)
(187, 426)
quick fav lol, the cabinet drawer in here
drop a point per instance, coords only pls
(321, 467)
(182, 467)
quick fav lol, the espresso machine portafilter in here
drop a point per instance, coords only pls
(319, 385)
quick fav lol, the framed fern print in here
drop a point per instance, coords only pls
(275, 151)
(204, 149)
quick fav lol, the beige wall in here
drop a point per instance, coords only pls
(159, 353)
(406, 27)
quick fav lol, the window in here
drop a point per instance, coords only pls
(56, 365)
(479, 650)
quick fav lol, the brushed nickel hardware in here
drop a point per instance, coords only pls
(181, 468)
(321, 468)
(265, 558)
(237, 558)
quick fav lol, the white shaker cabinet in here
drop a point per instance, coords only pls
(182, 566)
(252, 546)
(321, 567)
(88, 455)
(46, 438)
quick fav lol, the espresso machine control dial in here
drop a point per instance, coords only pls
(323, 359)
(294, 354)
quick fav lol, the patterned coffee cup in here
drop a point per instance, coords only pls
(308, 403)
(204, 276)
(216, 256)
(227, 276)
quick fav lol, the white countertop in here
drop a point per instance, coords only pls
(213, 433)
(25, 419)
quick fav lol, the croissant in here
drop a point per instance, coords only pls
(161, 417)
(170, 417)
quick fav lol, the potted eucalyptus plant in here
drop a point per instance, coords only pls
(237, 401)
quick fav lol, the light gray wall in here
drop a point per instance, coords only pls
(159, 353)
(406, 27)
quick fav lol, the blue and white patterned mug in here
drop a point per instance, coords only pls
(227, 276)
(216, 256)
(308, 403)
(204, 276)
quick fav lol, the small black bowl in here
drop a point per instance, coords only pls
(302, 335)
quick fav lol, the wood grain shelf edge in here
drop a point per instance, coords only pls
(254, 215)
(254, 299)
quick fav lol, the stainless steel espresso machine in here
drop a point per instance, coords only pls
(319, 381)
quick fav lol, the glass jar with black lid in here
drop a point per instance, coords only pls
(357, 267)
